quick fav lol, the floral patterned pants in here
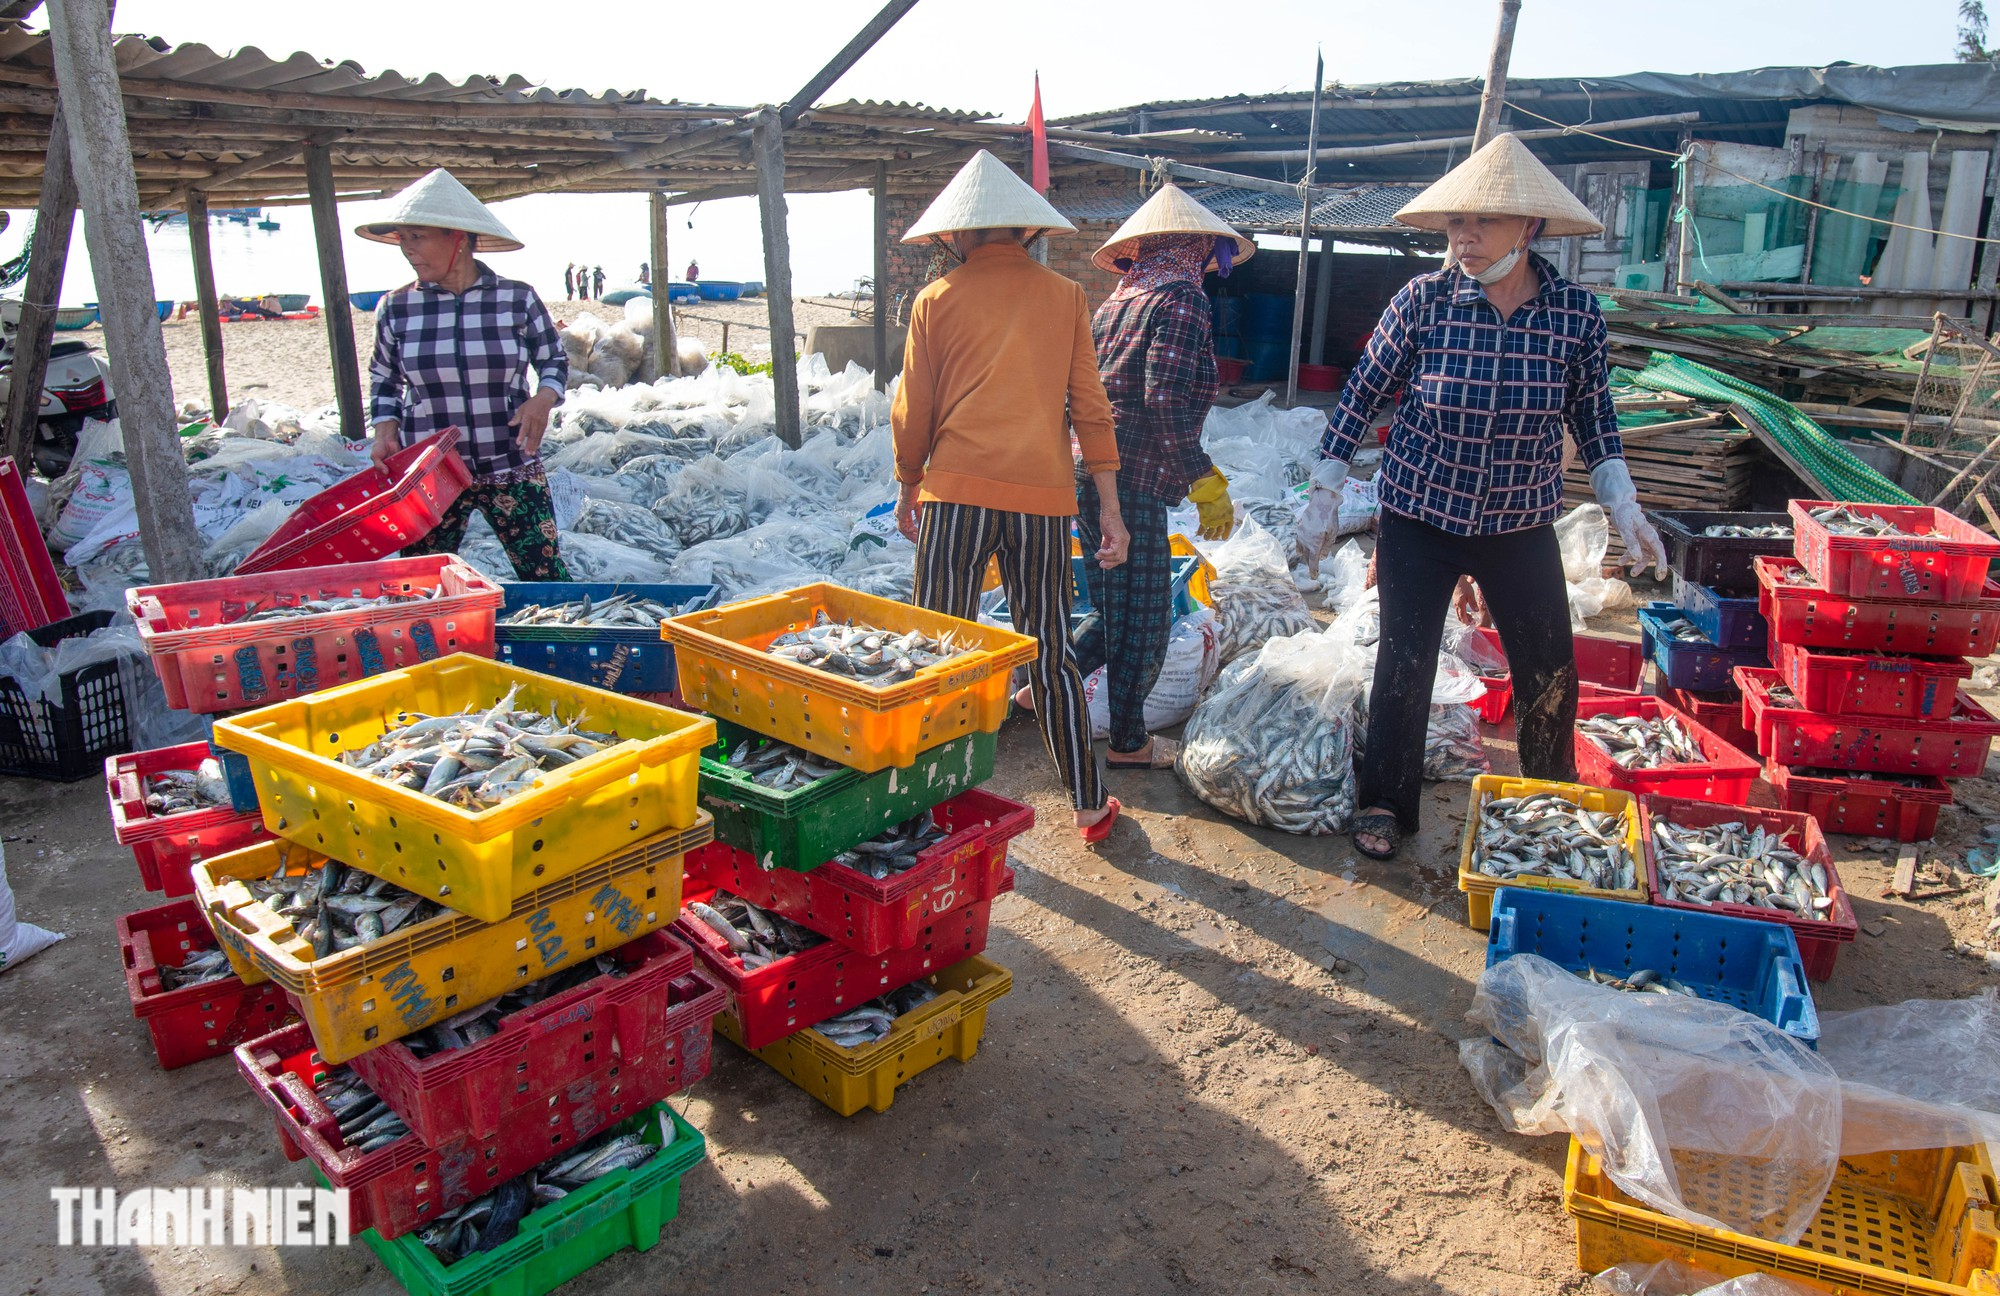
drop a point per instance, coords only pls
(516, 505)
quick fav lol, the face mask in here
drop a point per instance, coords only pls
(1499, 270)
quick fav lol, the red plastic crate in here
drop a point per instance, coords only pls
(1612, 664)
(1726, 775)
(872, 917)
(647, 1031)
(1811, 617)
(1838, 682)
(1721, 712)
(168, 847)
(1861, 807)
(209, 663)
(31, 595)
(804, 990)
(194, 1022)
(383, 508)
(1819, 942)
(1947, 566)
(1953, 748)
(1498, 698)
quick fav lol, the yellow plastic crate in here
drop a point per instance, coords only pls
(359, 999)
(1479, 888)
(1181, 547)
(848, 1079)
(480, 862)
(725, 671)
(1919, 1221)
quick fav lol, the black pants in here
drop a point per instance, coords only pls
(1521, 575)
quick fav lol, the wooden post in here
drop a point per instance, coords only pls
(101, 150)
(666, 343)
(1305, 237)
(1322, 298)
(1989, 251)
(882, 276)
(1493, 97)
(211, 313)
(864, 40)
(54, 220)
(767, 148)
(333, 292)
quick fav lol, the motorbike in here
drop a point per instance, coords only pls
(76, 387)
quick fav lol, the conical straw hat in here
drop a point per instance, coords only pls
(439, 200)
(1501, 179)
(1170, 211)
(986, 195)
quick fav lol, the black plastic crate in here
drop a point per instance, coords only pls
(63, 743)
(1719, 562)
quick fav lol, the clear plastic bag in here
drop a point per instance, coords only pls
(1917, 1074)
(1252, 591)
(628, 524)
(19, 941)
(1673, 1278)
(1584, 536)
(775, 555)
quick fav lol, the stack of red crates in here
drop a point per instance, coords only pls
(1862, 718)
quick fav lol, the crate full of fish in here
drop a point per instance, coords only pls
(1901, 807)
(1550, 836)
(1789, 734)
(1683, 654)
(182, 987)
(245, 641)
(396, 1181)
(539, 1231)
(790, 809)
(782, 977)
(1644, 745)
(1717, 549)
(1769, 865)
(1643, 950)
(603, 635)
(1728, 621)
(1720, 711)
(377, 512)
(636, 1020)
(858, 1059)
(867, 682)
(1892, 551)
(367, 962)
(883, 893)
(469, 781)
(171, 805)
(1906, 1222)
(1835, 681)
(1802, 613)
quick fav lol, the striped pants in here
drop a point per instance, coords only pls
(953, 547)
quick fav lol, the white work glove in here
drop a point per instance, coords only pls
(1612, 481)
(1320, 519)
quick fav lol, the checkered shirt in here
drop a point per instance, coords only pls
(1158, 364)
(1476, 445)
(444, 359)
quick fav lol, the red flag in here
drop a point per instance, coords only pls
(1038, 143)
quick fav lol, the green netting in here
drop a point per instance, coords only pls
(1845, 247)
(1843, 475)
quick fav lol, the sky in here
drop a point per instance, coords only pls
(948, 53)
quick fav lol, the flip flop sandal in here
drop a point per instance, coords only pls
(1383, 826)
(1164, 750)
(1098, 831)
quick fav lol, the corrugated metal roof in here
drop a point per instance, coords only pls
(1363, 208)
(902, 111)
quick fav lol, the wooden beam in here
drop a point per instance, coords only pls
(692, 142)
(1305, 236)
(864, 40)
(881, 250)
(666, 345)
(767, 145)
(248, 166)
(55, 218)
(1322, 298)
(1493, 94)
(1441, 144)
(334, 306)
(211, 316)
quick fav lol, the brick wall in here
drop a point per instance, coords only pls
(910, 263)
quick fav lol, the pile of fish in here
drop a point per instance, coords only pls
(1453, 751)
(495, 1218)
(874, 1019)
(1641, 981)
(768, 938)
(1642, 742)
(340, 908)
(179, 791)
(1250, 613)
(1781, 695)
(630, 611)
(198, 968)
(1545, 835)
(1266, 747)
(476, 759)
(254, 612)
(1844, 521)
(1730, 863)
(877, 658)
(482, 1021)
(1731, 531)
(780, 766)
(1684, 631)
(366, 1122)
(895, 851)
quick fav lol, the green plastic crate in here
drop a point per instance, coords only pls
(803, 829)
(556, 1243)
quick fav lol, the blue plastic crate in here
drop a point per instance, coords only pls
(1753, 965)
(1688, 665)
(235, 769)
(1729, 623)
(1184, 568)
(623, 660)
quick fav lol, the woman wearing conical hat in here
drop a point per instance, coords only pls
(1498, 357)
(462, 347)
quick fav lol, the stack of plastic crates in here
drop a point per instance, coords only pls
(1713, 624)
(865, 761)
(1863, 719)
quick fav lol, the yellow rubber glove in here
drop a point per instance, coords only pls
(1211, 499)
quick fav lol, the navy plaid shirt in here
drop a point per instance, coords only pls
(444, 359)
(1158, 364)
(1476, 446)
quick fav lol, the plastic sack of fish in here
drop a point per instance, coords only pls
(1252, 592)
(1193, 658)
(1666, 1091)
(1453, 748)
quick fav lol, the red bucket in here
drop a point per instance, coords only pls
(1323, 378)
(1230, 370)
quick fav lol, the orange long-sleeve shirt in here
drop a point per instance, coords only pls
(998, 367)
